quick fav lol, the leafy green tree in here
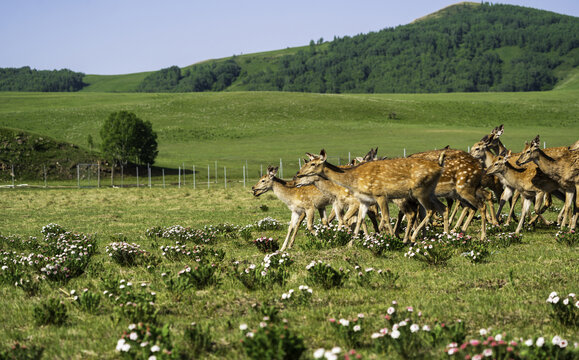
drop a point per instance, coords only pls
(126, 138)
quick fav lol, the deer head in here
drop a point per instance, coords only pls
(499, 166)
(530, 152)
(265, 183)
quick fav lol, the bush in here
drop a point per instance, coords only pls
(381, 243)
(432, 252)
(199, 338)
(125, 254)
(266, 245)
(569, 238)
(145, 341)
(325, 275)
(50, 312)
(22, 352)
(566, 310)
(271, 341)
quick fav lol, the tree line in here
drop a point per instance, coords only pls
(479, 48)
(27, 79)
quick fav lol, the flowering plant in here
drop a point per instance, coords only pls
(245, 232)
(380, 243)
(369, 277)
(569, 238)
(19, 351)
(199, 276)
(86, 300)
(325, 275)
(184, 234)
(434, 251)
(132, 302)
(266, 244)
(125, 254)
(335, 353)
(505, 239)
(349, 330)
(145, 341)
(199, 338)
(50, 312)
(273, 270)
(478, 253)
(268, 223)
(328, 236)
(503, 346)
(271, 341)
(565, 310)
(301, 297)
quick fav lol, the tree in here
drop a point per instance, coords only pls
(126, 138)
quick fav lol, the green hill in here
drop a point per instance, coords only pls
(467, 47)
(32, 155)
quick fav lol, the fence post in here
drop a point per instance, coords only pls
(244, 176)
(78, 175)
(183, 174)
(194, 178)
(44, 171)
(300, 162)
(216, 171)
(208, 177)
(179, 177)
(225, 176)
(137, 176)
(544, 144)
(149, 174)
(98, 174)
(404, 152)
(122, 175)
(261, 171)
(13, 176)
(163, 171)
(349, 160)
(280, 168)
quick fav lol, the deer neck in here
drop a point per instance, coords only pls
(488, 158)
(284, 192)
(337, 175)
(326, 186)
(512, 174)
(547, 164)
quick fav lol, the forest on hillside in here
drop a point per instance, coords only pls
(468, 47)
(465, 48)
(27, 79)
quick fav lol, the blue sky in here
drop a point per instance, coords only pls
(128, 36)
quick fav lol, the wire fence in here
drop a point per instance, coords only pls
(217, 173)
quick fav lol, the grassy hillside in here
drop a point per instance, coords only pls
(261, 127)
(113, 83)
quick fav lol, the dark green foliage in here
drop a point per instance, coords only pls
(205, 77)
(27, 79)
(50, 312)
(126, 138)
(22, 352)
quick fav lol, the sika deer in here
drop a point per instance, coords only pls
(564, 170)
(376, 182)
(461, 180)
(302, 201)
(530, 182)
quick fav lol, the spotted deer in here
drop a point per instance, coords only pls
(529, 181)
(564, 170)
(376, 182)
(460, 180)
(302, 201)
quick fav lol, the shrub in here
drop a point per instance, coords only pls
(266, 245)
(349, 330)
(50, 312)
(566, 310)
(325, 275)
(125, 254)
(199, 338)
(145, 341)
(135, 303)
(22, 352)
(301, 297)
(433, 251)
(268, 223)
(273, 270)
(246, 232)
(271, 341)
(569, 238)
(381, 243)
(479, 251)
(86, 300)
(505, 239)
(371, 278)
(324, 237)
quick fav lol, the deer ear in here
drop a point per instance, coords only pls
(498, 131)
(485, 139)
(323, 155)
(272, 171)
(310, 155)
(536, 141)
(507, 156)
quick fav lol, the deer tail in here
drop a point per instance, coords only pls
(441, 158)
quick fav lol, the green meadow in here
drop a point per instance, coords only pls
(260, 128)
(506, 293)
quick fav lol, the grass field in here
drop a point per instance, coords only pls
(257, 128)
(506, 293)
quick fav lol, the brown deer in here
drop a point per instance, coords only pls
(460, 180)
(564, 170)
(302, 201)
(530, 182)
(376, 182)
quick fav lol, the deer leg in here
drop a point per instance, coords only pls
(576, 208)
(411, 217)
(322, 212)
(505, 196)
(454, 212)
(374, 219)
(295, 220)
(568, 209)
(512, 215)
(460, 219)
(526, 207)
(383, 205)
(361, 214)
(309, 215)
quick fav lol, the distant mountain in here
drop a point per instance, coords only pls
(467, 47)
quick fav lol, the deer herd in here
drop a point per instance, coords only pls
(417, 183)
